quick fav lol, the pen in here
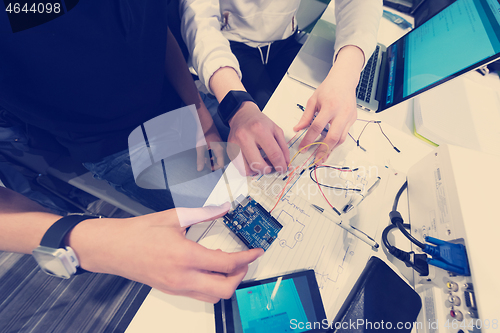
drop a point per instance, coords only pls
(211, 157)
(356, 199)
(349, 228)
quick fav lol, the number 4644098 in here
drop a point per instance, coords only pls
(38, 8)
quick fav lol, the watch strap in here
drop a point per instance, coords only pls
(231, 103)
(54, 236)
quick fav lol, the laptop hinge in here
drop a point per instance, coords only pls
(381, 84)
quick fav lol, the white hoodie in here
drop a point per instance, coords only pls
(207, 25)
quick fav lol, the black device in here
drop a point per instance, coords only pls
(423, 10)
(462, 37)
(285, 303)
(380, 301)
(404, 6)
(231, 103)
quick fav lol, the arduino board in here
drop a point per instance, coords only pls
(252, 223)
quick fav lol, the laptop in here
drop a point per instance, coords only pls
(462, 37)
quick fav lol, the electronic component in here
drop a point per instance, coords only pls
(259, 306)
(448, 205)
(470, 300)
(252, 223)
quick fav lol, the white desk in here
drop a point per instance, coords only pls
(165, 313)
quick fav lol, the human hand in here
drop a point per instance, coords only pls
(153, 249)
(251, 130)
(209, 148)
(334, 103)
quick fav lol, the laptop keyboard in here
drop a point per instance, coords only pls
(364, 89)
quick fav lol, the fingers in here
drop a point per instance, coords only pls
(213, 157)
(307, 116)
(216, 274)
(276, 155)
(237, 159)
(200, 158)
(317, 126)
(274, 146)
(219, 285)
(280, 139)
(216, 155)
(335, 136)
(210, 286)
(252, 130)
(190, 216)
(219, 158)
(253, 157)
(339, 113)
(192, 294)
(202, 297)
(339, 129)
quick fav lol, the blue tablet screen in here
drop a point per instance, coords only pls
(274, 307)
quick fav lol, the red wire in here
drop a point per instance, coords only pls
(293, 175)
(284, 188)
(316, 178)
(290, 178)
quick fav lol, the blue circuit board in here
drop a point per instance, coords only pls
(253, 224)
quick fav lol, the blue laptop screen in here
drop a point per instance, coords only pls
(455, 40)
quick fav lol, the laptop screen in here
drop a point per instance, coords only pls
(461, 37)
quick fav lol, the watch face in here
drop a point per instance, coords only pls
(52, 261)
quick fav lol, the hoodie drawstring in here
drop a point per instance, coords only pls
(264, 62)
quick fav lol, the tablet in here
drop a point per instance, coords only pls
(286, 303)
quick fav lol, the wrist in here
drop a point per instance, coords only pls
(223, 81)
(348, 65)
(353, 55)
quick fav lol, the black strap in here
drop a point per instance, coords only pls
(231, 103)
(54, 236)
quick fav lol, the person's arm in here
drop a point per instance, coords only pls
(178, 74)
(22, 222)
(150, 249)
(335, 100)
(201, 31)
(218, 69)
(250, 129)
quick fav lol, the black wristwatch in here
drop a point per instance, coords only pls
(53, 256)
(231, 103)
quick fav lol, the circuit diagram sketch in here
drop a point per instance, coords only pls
(308, 239)
(292, 231)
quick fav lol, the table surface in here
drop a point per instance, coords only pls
(167, 313)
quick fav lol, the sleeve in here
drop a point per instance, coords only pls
(201, 31)
(357, 24)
